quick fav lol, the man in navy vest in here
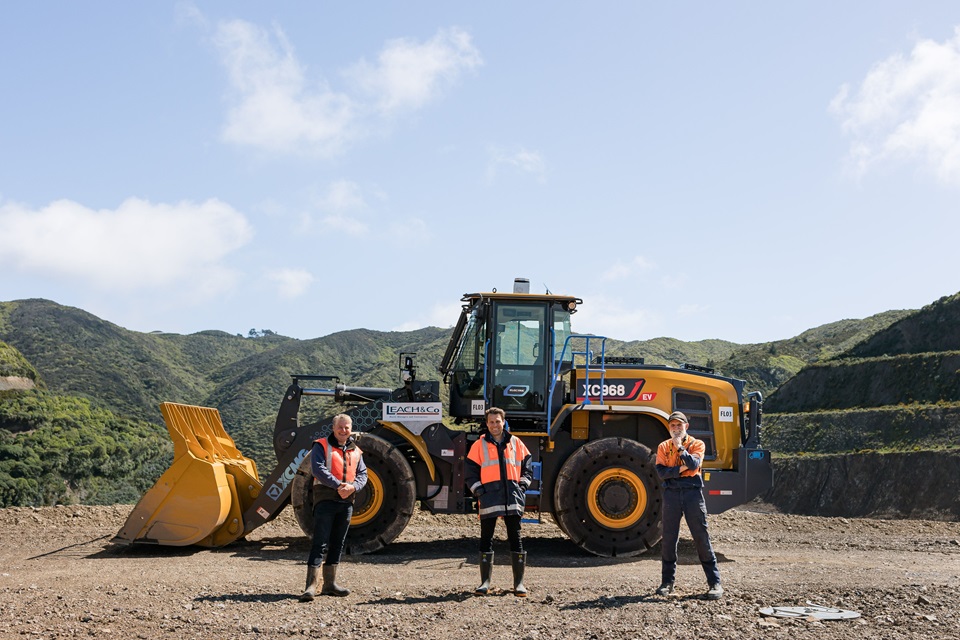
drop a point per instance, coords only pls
(338, 473)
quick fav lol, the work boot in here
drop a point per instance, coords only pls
(519, 560)
(330, 586)
(715, 592)
(310, 591)
(665, 589)
(486, 570)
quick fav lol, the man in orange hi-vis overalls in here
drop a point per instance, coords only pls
(678, 465)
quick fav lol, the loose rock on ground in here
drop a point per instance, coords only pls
(60, 577)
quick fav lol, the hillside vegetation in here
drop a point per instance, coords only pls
(126, 371)
(767, 366)
(102, 378)
(14, 366)
(915, 360)
(61, 450)
(875, 429)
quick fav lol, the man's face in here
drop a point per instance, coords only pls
(495, 424)
(678, 428)
(342, 430)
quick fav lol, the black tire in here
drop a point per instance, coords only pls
(608, 499)
(382, 508)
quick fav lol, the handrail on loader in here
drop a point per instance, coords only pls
(557, 363)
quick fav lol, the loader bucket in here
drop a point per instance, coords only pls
(200, 499)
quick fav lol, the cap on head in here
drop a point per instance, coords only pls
(678, 415)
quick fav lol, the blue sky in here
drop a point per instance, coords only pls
(734, 170)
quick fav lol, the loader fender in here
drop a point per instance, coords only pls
(416, 442)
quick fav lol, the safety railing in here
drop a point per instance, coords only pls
(587, 353)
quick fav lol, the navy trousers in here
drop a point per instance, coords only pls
(489, 525)
(689, 504)
(331, 520)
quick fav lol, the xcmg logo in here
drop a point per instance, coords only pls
(276, 489)
(611, 389)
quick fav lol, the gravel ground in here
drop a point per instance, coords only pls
(60, 577)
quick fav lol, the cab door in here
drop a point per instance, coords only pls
(520, 350)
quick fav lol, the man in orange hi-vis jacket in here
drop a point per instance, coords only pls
(498, 472)
(678, 465)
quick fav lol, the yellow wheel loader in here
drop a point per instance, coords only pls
(592, 423)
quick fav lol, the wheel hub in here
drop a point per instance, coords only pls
(369, 501)
(616, 498)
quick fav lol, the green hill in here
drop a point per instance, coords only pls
(868, 417)
(767, 366)
(912, 361)
(935, 328)
(125, 371)
(95, 368)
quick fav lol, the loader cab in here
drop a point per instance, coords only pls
(503, 353)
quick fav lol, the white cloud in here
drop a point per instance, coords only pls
(907, 108)
(342, 195)
(609, 317)
(440, 315)
(347, 224)
(674, 281)
(139, 245)
(343, 202)
(623, 270)
(413, 230)
(522, 161)
(275, 108)
(290, 283)
(409, 74)
(692, 309)
(187, 13)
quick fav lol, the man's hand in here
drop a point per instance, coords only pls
(683, 468)
(345, 490)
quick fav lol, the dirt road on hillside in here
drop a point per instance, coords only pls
(61, 578)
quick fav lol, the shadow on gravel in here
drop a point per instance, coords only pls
(249, 597)
(428, 599)
(554, 552)
(609, 602)
(119, 551)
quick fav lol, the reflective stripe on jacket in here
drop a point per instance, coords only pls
(498, 474)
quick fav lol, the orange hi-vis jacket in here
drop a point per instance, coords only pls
(670, 459)
(498, 474)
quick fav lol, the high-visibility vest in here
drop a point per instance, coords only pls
(513, 454)
(334, 459)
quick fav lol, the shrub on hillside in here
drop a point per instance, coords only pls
(61, 450)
